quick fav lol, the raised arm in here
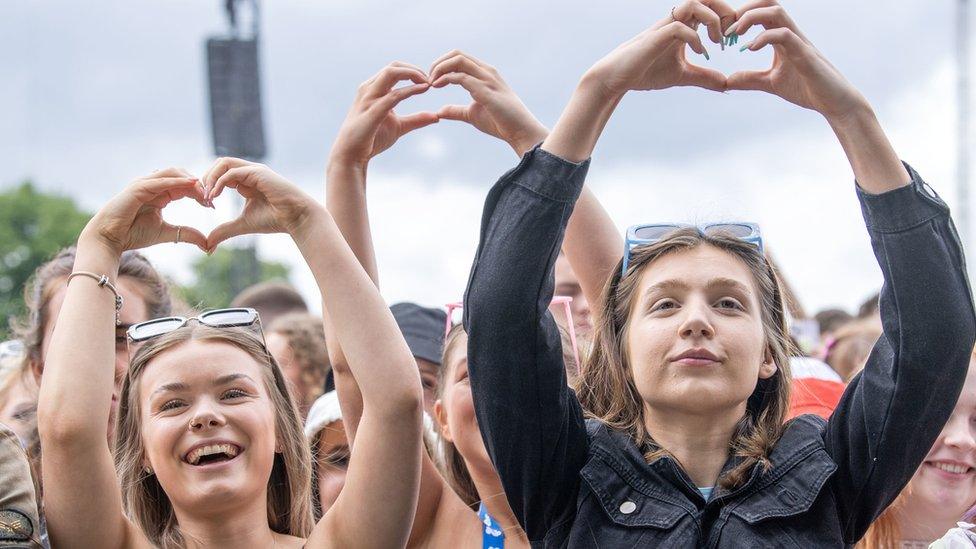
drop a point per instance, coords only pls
(592, 243)
(384, 466)
(892, 412)
(85, 510)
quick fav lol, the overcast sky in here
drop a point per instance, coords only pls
(97, 93)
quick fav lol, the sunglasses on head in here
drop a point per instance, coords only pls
(563, 300)
(215, 318)
(649, 233)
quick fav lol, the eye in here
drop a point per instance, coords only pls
(729, 303)
(234, 393)
(666, 304)
(428, 382)
(171, 405)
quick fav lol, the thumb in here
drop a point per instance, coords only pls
(183, 234)
(461, 113)
(750, 80)
(416, 121)
(224, 231)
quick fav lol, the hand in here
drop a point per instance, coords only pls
(655, 59)
(800, 74)
(133, 219)
(371, 126)
(496, 110)
(272, 204)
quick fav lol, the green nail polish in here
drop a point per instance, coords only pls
(707, 58)
(744, 48)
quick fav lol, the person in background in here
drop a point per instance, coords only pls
(423, 330)
(18, 396)
(330, 451)
(20, 524)
(568, 284)
(271, 299)
(943, 490)
(297, 342)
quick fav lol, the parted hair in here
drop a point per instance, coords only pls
(606, 386)
(289, 486)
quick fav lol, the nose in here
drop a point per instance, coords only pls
(205, 417)
(696, 323)
(958, 434)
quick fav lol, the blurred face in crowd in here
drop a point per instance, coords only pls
(208, 425)
(695, 339)
(18, 406)
(283, 355)
(428, 377)
(568, 285)
(133, 311)
(455, 410)
(945, 484)
(332, 463)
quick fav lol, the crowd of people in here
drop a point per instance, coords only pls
(646, 390)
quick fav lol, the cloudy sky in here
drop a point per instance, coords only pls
(97, 93)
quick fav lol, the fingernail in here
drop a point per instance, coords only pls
(705, 53)
(735, 38)
(731, 29)
(744, 48)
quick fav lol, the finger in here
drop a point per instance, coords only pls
(225, 231)
(168, 172)
(454, 53)
(389, 76)
(750, 80)
(461, 113)
(754, 4)
(407, 65)
(416, 121)
(781, 38)
(459, 63)
(683, 33)
(162, 199)
(217, 170)
(703, 78)
(182, 234)
(474, 86)
(148, 189)
(769, 18)
(394, 97)
(692, 13)
(234, 177)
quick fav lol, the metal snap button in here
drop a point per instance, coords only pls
(628, 507)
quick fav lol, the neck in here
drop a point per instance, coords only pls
(492, 495)
(925, 522)
(237, 528)
(699, 441)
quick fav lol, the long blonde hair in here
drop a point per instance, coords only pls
(289, 486)
(606, 387)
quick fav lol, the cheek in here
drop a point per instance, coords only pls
(460, 411)
(331, 481)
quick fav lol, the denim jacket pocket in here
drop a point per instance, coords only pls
(626, 505)
(790, 492)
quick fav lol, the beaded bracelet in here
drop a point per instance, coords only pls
(102, 281)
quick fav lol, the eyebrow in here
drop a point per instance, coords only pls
(720, 282)
(222, 380)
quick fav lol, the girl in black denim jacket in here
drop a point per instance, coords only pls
(683, 441)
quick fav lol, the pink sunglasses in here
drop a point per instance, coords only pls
(563, 300)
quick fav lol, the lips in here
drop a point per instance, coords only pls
(696, 357)
(214, 451)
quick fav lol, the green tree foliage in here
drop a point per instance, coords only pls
(33, 227)
(221, 276)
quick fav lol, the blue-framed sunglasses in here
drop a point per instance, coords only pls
(649, 233)
(216, 318)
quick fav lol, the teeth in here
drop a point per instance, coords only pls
(957, 469)
(195, 455)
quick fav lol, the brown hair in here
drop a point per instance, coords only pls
(606, 387)
(850, 346)
(271, 299)
(306, 339)
(47, 279)
(450, 463)
(143, 498)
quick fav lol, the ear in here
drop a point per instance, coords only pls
(440, 415)
(37, 368)
(768, 366)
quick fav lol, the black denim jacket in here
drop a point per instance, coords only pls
(575, 483)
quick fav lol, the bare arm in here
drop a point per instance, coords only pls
(85, 510)
(384, 468)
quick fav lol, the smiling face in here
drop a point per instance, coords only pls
(694, 338)
(945, 483)
(208, 425)
(454, 410)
